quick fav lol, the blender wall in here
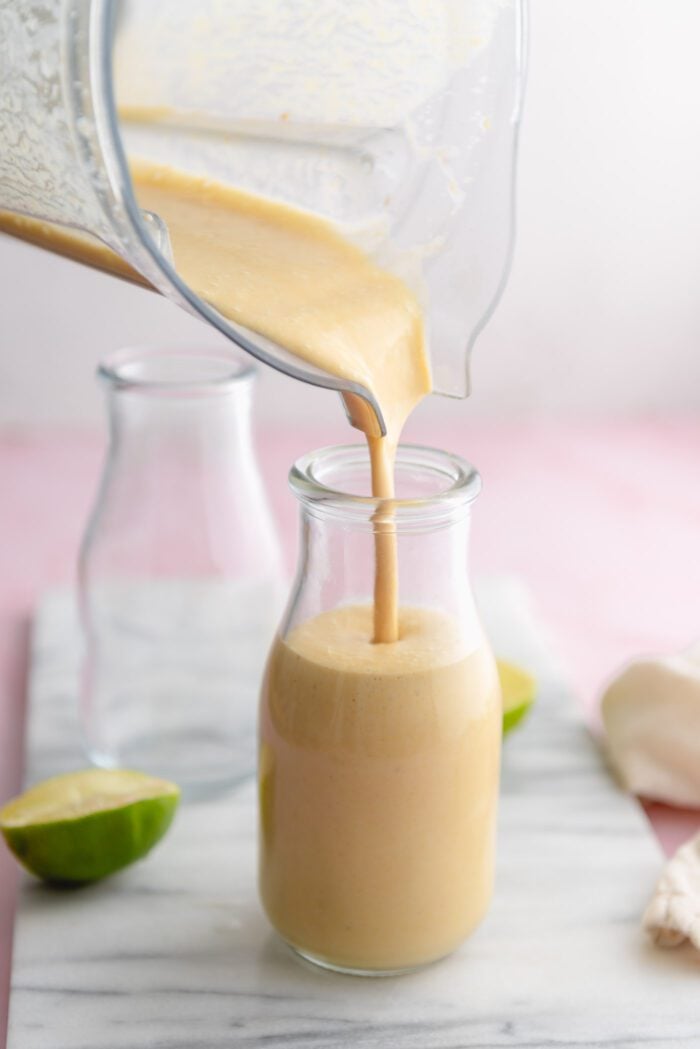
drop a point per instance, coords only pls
(398, 122)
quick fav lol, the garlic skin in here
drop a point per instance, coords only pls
(673, 913)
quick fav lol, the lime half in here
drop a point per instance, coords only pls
(85, 825)
(518, 689)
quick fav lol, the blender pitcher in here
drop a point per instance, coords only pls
(397, 123)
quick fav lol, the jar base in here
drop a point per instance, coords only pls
(347, 970)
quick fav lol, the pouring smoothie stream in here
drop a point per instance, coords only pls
(291, 277)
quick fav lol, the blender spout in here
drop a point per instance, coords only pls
(361, 406)
(363, 412)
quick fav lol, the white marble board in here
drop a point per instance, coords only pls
(175, 953)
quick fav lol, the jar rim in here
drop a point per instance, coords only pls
(173, 370)
(462, 484)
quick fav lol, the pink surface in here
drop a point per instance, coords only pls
(602, 520)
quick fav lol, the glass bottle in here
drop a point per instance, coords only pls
(378, 764)
(180, 579)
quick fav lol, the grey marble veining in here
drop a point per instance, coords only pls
(175, 953)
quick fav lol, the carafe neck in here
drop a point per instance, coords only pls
(429, 520)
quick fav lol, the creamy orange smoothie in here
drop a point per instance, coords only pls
(378, 788)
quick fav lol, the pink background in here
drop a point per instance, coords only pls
(602, 521)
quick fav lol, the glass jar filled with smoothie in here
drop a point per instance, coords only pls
(379, 759)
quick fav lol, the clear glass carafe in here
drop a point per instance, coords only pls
(378, 766)
(395, 122)
(180, 572)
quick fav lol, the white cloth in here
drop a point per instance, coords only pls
(673, 914)
(651, 713)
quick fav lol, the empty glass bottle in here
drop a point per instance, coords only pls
(180, 572)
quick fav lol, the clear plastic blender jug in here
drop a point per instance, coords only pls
(397, 122)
